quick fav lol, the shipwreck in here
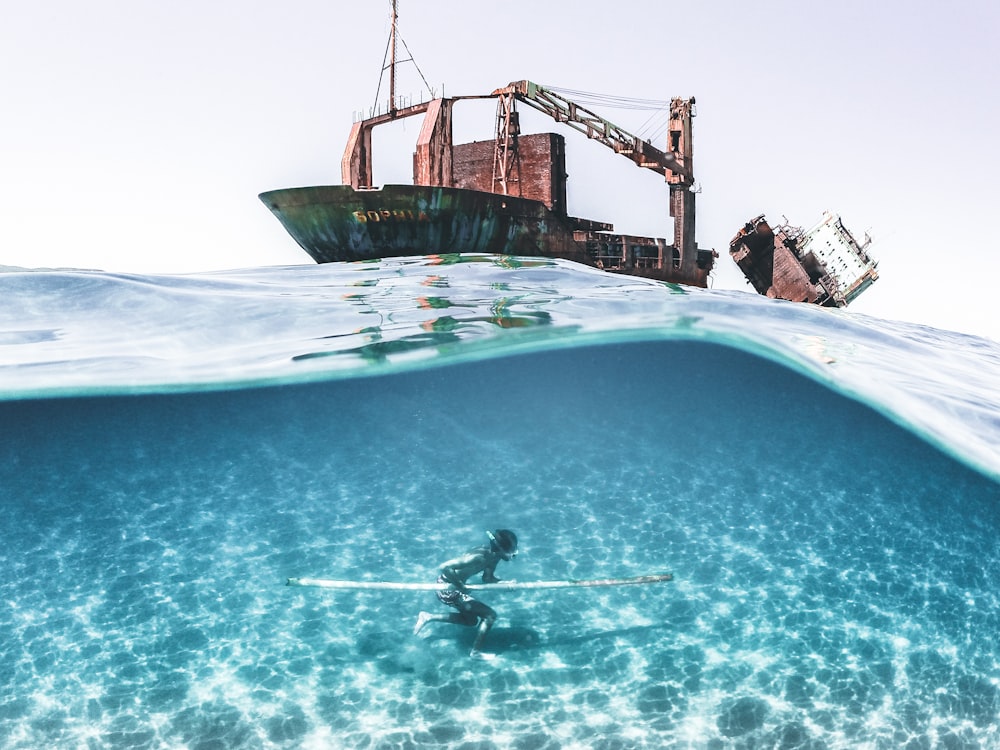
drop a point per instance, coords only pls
(507, 196)
(824, 265)
(504, 196)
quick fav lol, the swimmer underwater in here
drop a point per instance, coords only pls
(455, 573)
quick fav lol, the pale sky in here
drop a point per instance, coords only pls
(135, 136)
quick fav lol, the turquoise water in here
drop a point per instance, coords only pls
(822, 485)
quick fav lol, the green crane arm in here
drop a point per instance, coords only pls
(593, 126)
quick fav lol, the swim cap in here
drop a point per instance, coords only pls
(505, 542)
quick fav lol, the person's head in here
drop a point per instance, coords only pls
(504, 543)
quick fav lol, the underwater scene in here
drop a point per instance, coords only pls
(822, 485)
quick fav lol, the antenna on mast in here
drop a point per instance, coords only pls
(392, 60)
(390, 56)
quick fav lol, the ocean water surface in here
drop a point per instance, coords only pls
(823, 486)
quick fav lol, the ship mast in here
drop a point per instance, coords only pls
(392, 59)
(389, 61)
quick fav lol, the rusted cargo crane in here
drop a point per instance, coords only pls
(675, 165)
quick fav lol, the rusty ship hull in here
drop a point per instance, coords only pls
(338, 223)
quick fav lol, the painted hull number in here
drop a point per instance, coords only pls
(386, 215)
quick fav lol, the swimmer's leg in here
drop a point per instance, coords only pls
(487, 618)
(466, 616)
(454, 618)
(422, 619)
(477, 652)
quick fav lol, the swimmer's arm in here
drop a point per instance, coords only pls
(449, 574)
(453, 571)
(489, 575)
